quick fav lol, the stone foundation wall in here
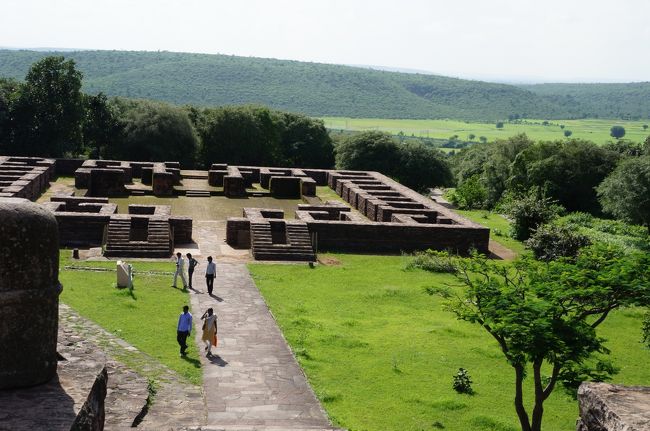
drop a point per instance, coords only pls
(285, 187)
(81, 229)
(605, 407)
(106, 182)
(238, 232)
(397, 237)
(182, 227)
(67, 167)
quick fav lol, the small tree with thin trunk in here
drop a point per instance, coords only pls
(544, 316)
(617, 132)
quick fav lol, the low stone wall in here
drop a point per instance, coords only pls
(234, 185)
(107, 182)
(163, 182)
(182, 228)
(81, 229)
(215, 177)
(396, 237)
(67, 167)
(605, 407)
(238, 232)
(285, 187)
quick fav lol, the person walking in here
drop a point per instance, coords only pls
(184, 328)
(191, 264)
(180, 270)
(209, 330)
(210, 273)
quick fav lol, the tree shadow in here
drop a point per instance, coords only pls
(217, 360)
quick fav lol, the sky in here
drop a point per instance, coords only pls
(495, 40)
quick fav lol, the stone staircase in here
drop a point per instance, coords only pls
(119, 243)
(197, 193)
(292, 243)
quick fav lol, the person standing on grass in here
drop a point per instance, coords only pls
(209, 330)
(180, 270)
(184, 329)
(210, 273)
(191, 263)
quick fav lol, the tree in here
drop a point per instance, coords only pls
(304, 142)
(49, 110)
(545, 315)
(562, 126)
(153, 131)
(471, 136)
(368, 151)
(101, 127)
(530, 211)
(645, 127)
(617, 132)
(499, 124)
(8, 92)
(470, 194)
(552, 241)
(483, 139)
(625, 193)
(421, 167)
(568, 133)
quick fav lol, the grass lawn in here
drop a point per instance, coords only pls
(596, 130)
(499, 228)
(380, 353)
(147, 319)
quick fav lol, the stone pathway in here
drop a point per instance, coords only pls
(253, 382)
(177, 402)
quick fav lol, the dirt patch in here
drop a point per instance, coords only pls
(329, 261)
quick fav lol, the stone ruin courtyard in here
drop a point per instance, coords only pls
(236, 214)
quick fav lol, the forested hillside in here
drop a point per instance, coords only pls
(321, 89)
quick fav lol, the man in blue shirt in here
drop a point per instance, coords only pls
(184, 329)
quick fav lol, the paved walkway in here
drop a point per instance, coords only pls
(253, 381)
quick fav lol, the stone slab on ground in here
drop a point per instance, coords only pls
(253, 380)
(610, 407)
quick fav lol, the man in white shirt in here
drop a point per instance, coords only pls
(180, 270)
(210, 273)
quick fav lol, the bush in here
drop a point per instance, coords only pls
(552, 241)
(433, 261)
(470, 194)
(529, 212)
(463, 382)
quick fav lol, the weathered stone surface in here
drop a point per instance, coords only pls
(605, 407)
(106, 182)
(29, 293)
(285, 187)
(92, 414)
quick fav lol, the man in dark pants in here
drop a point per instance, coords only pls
(210, 273)
(184, 328)
(191, 264)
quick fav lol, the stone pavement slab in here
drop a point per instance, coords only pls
(253, 380)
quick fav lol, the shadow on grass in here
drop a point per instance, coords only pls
(195, 362)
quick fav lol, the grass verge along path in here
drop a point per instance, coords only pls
(146, 317)
(380, 353)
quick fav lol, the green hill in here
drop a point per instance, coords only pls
(310, 88)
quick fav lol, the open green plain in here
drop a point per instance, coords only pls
(596, 130)
(380, 352)
(145, 318)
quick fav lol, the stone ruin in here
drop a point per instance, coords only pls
(606, 407)
(146, 231)
(25, 177)
(383, 216)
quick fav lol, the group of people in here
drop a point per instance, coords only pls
(210, 271)
(209, 326)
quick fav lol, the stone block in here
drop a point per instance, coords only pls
(285, 187)
(606, 407)
(106, 182)
(163, 183)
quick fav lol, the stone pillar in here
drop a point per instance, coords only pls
(29, 293)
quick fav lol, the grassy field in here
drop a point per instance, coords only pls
(146, 318)
(499, 228)
(595, 130)
(380, 353)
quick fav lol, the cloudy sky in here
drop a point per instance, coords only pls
(511, 40)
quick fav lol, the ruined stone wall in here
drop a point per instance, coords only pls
(182, 228)
(606, 407)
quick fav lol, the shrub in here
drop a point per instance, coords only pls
(470, 194)
(552, 241)
(529, 212)
(462, 382)
(433, 261)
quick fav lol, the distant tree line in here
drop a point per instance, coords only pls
(578, 175)
(48, 115)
